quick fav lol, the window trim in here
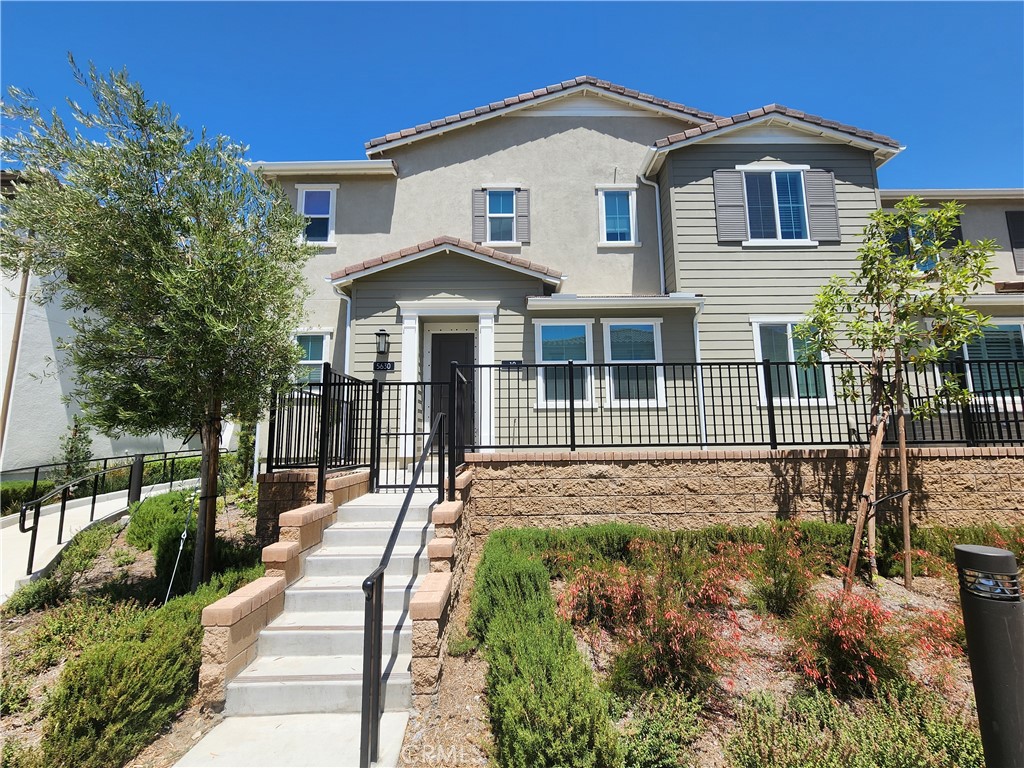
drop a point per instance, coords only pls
(789, 321)
(776, 242)
(1017, 403)
(660, 400)
(602, 222)
(490, 241)
(327, 334)
(588, 378)
(302, 189)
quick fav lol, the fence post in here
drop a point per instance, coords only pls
(769, 395)
(965, 411)
(271, 432)
(324, 442)
(572, 406)
(135, 480)
(453, 385)
(375, 429)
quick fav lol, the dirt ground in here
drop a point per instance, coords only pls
(191, 724)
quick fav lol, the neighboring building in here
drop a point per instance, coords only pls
(590, 222)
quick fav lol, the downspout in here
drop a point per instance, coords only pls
(701, 416)
(661, 238)
(12, 362)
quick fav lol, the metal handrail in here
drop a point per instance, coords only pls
(97, 460)
(373, 588)
(65, 490)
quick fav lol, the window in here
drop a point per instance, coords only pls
(1015, 229)
(989, 368)
(618, 215)
(900, 246)
(558, 341)
(314, 354)
(637, 342)
(775, 205)
(791, 384)
(316, 203)
(501, 216)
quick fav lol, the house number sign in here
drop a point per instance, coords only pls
(511, 363)
(387, 366)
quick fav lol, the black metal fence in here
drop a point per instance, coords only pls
(770, 404)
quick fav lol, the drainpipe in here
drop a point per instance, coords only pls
(700, 379)
(661, 239)
(12, 362)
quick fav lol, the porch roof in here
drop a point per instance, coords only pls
(439, 245)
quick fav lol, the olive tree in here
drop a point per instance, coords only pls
(182, 269)
(904, 306)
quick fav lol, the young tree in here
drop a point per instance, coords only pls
(182, 267)
(905, 305)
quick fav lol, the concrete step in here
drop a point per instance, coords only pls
(374, 534)
(321, 594)
(383, 508)
(296, 684)
(360, 561)
(326, 640)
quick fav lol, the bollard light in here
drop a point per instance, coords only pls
(990, 596)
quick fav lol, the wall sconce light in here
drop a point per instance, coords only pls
(382, 341)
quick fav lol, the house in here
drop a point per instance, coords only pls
(589, 222)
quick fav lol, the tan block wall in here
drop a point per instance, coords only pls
(692, 489)
(281, 492)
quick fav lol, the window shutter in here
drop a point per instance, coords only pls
(822, 212)
(479, 215)
(1015, 223)
(522, 215)
(730, 213)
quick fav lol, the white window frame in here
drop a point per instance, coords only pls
(789, 321)
(776, 242)
(588, 378)
(611, 401)
(490, 241)
(603, 241)
(301, 190)
(1015, 402)
(327, 335)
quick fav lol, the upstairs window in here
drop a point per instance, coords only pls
(1015, 229)
(501, 216)
(900, 246)
(618, 216)
(314, 354)
(791, 384)
(317, 204)
(775, 205)
(559, 341)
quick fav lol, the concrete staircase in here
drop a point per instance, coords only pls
(309, 659)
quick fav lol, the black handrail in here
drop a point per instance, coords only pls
(373, 588)
(134, 488)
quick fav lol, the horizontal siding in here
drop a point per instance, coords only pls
(739, 282)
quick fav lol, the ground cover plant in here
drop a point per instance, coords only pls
(729, 647)
(100, 667)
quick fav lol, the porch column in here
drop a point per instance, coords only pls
(486, 357)
(410, 375)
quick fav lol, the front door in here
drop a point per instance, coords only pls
(444, 348)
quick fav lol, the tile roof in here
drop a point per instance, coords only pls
(512, 101)
(724, 122)
(438, 243)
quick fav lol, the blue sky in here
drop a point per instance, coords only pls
(299, 81)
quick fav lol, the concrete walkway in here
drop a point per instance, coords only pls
(301, 741)
(14, 544)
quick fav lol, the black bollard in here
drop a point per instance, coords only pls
(990, 595)
(135, 480)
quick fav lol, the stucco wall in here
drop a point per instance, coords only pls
(692, 489)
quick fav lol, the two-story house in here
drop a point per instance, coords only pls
(589, 222)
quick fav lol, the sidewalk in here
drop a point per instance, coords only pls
(14, 544)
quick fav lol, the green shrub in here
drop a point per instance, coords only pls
(461, 645)
(79, 556)
(545, 709)
(508, 581)
(76, 625)
(14, 693)
(150, 516)
(846, 644)
(14, 492)
(38, 594)
(663, 725)
(118, 694)
(15, 755)
(782, 579)
(906, 726)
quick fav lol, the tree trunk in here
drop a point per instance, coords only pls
(206, 524)
(901, 425)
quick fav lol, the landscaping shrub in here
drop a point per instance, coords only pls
(76, 625)
(36, 595)
(845, 644)
(150, 516)
(117, 695)
(782, 579)
(662, 726)
(507, 581)
(461, 645)
(13, 493)
(905, 726)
